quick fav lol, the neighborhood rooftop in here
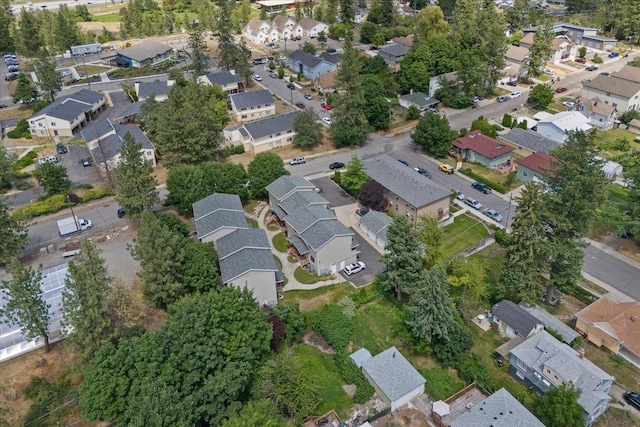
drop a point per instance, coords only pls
(251, 99)
(223, 78)
(393, 373)
(214, 202)
(270, 125)
(532, 141)
(111, 144)
(144, 50)
(305, 58)
(156, 87)
(286, 184)
(242, 251)
(519, 319)
(500, 409)
(70, 106)
(482, 144)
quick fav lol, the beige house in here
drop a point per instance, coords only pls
(325, 82)
(310, 27)
(248, 106)
(563, 50)
(284, 25)
(621, 89)
(262, 135)
(409, 193)
(217, 215)
(66, 114)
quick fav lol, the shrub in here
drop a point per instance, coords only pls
(507, 120)
(337, 177)
(413, 113)
(45, 206)
(352, 375)
(597, 59)
(238, 149)
(25, 160)
(98, 193)
(470, 369)
(502, 237)
(494, 185)
(84, 186)
(333, 325)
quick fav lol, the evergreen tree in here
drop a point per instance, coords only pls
(28, 37)
(13, 235)
(256, 413)
(540, 50)
(53, 178)
(49, 79)
(85, 300)
(66, 33)
(382, 12)
(25, 90)
(354, 177)
(346, 12)
(136, 186)
(331, 12)
(199, 59)
(433, 134)
(308, 130)
(25, 305)
(7, 26)
(403, 258)
(308, 9)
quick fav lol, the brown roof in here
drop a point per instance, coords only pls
(618, 319)
(596, 106)
(628, 72)
(516, 53)
(280, 21)
(528, 39)
(539, 162)
(255, 24)
(405, 40)
(613, 84)
(482, 144)
(308, 23)
(558, 41)
(326, 80)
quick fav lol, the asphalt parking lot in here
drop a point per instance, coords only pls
(371, 258)
(333, 192)
(79, 174)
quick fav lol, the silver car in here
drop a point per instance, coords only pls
(473, 203)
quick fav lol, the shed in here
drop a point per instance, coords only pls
(375, 224)
(612, 170)
(359, 357)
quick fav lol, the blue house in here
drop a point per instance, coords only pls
(308, 65)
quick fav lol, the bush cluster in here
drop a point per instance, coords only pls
(20, 131)
(352, 375)
(229, 151)
(46, 206)
(333, 325)
(25, 160)
(493, 185)
(98, 193)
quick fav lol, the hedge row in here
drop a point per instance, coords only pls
(56, 203)
(352, 375)
(228, 151)
(493, 185)
(98, 193)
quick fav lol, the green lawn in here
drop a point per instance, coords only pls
(280, 242)
(374, 327)
(250, 206)
(302, 275)
(625, 373)
(462, 234)
(314, 298)
(441, 382)
(252, 222)
(109, 17)
(323, 370)
(491, 257)
(90, 70)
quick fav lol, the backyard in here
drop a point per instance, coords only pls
(462, 234)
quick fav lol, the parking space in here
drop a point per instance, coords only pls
(79, 174)
(371, 258)
(333, 192)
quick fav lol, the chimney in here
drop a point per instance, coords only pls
(634, 317)
(581, 353)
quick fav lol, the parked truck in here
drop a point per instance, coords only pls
(72, 225)
(85, 49)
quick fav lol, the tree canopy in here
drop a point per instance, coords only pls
(263, 170)
(53, 178)
(433, 134)
(308, 130)
(559, 407)
(13, 235)
(541, 94)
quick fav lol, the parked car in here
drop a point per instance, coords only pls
(48, 159)
(561, 89)
(327, 120)
(512, 83)
(614, 55)
(297, 161)
(331, 50)
(257, 77)
(61, 148)
(308, 96)
(481, 187)
(85, 162)
(632, 398)
(291, 86)
(460, 195)
(503, 98)
(300, 105)
(473, 203)
(493, 215)
(336, 165)
(325, 106)
(548, 72)
(476, 99)
(404, 162)
(514, 95)
(10, 77)
(423, 172)
(604, 73)
(591, 68)
(273, 75)
(446, 168)
(581, 60)
(121, 213)
(354, 268)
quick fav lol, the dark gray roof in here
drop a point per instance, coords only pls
(218, 220)
(500, 409)
(156, 87)
(542, 350)
(393, 374)
(130, 110)
(244, 261)
(299, 244)
(223, 78)
(270, 125)
(240, 239)
(306, 216)
(420, 99)
(145, 50)
(516, 317)
(70, 106)
(396, 50)
(530, 140)
(333, 58)
(214, 202)
(251, 99)
(97, 129)
(377, 222)
(279, 212)
(321, 232)
(283, 186)
(550, 321)
(111, 144)
(405, 182)
(305, 58)
(300, 199)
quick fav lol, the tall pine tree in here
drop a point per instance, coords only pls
(403, 258)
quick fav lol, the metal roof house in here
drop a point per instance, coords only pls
(66, 114)
(262, 135)
(558, 126)
(310, 66)
(143, 54)
(512, 320)
(218, 215)
(542, 362)
(395, 380)
(529, 140)
(408, 192)
(551, 322)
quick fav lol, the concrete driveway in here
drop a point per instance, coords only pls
(371, 258)
(333, 192)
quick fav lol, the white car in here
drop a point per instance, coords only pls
(327, 120)
(548, 72)
(257, 78)
(473, 203)
(354, 268)
(297, 161)
(569, 104)
(493, 215)
(514, 95)
(48, 159)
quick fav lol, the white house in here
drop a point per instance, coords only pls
(435, 82)
(262, 135)
(563, 50)
(160, 89)
(310, 27)
(283, 25)
(66, 114)
(558, 126)
(259, 32)
(600, 115)
(247, 106)
(227, 80)
(621, 89)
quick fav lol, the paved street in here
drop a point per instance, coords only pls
(610, 269)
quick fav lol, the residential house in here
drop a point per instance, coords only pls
(393, 53)
(311, 28)
(129, 113)
(621, 89)
(310, 66)
(613, 324)
(359, 357)
(600, 115)
(480, 148)
(228, 81)
(516, 55)
(144, 54)
(511, 321)
(260, 32)
(246, 261)
(104, 140)
(563, 50)
(247, 106)
(529, 140)
(359, 14)
(500, 409)
(332, 58)
(217, 215)
(276, 6)
(375, 225)
(551, 322)
(325, 83)
(284, 187)
(66, 114)
(301, 199)
(583, 36)
(542, 362)
(158, 88)
(435, 82)
(404, 40)
(283, 24)
(558, 126)
(419, 100)
(409, 193)
(599, 42)
(534, 167)
(395, 380)
(262, 135)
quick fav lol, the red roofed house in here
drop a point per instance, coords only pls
(479, 148)
(614, 325)
(533, 167)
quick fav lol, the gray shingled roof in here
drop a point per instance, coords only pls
(421, 99)
(300, 199)
(396, 50)
(156, 87)
(377, 222)
(405, 182)
(70, 106)
(500, 409)
(130, 110)
(223, 78)
(271, 125)
(359, 357)
(299, 244)
(321, 232)
(246, 260)
(112, 144)
(97, 129)
(333, 58)
(283, 186)
(215, 201)
(247, 238)
(550, 321)
(218, 220)
(516, 317)
(306, 216)
(145, 50)
(530, 140)
(393, 374)
(542, 349)
(251, 99)
(305, 58)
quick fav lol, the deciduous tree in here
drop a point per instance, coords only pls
(541, 94)
(559, 407)
(229, 178)
(308, 130)
(433, 134)
(429, 21)
(53, 178)
(403, 258)
(263, 170)
(13, 235)
(185, 184)
(354, 176)
(372, 196)
(308, 47)
(430, 236)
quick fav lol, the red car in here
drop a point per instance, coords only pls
(561, 89)
(581, 60)
(325, 106)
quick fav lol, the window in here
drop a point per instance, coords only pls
(244, 116)
(545, 382)
(521, 365)
(53, 123)
(537, 375)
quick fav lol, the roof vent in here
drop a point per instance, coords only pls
(634, 317)
(581, 353)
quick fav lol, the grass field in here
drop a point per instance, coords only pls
(90, 70)
(374, 327)
(314, 298)
(462, 234)
(302, 275)
(491, 258)
(108, 17)
(280, 242)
